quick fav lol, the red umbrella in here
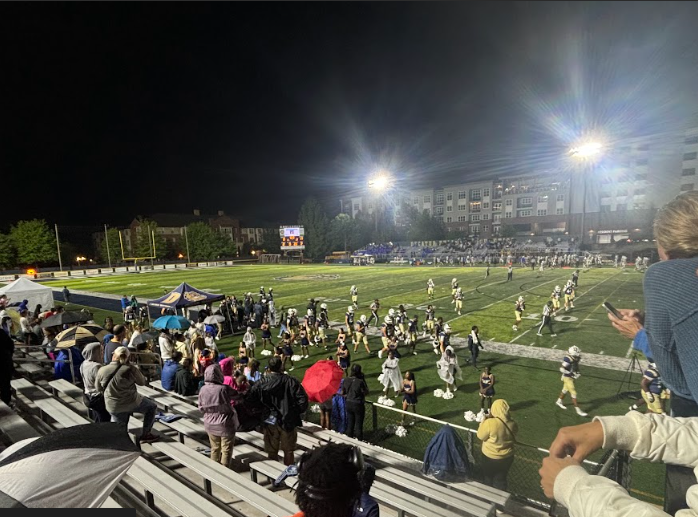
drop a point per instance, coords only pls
(322, 380)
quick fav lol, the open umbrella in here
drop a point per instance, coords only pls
(76, 467)
(66, 318)
(171, 322)
(322, 380)
(144, 337)
(215, 318)
(80, 335)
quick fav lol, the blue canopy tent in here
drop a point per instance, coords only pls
(183, 296)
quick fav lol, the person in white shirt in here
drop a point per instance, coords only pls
(25, 327)
(166, 345)
(249, 340)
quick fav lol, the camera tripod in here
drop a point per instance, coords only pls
(626, 387)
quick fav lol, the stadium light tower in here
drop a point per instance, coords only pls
(586, 153)
(378, 184)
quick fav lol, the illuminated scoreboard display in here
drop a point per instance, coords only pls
(292, 237)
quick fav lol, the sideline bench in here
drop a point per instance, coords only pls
(402, 502)
(260, 498)
(14, 426)
(157, 482)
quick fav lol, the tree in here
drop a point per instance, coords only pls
(7, 252)
(507, 231)
(427, 228)
(114, 254)
(205, 243)
(143, 243)
(34, 242)
(341, 229)
(314, 220)
(271, 241)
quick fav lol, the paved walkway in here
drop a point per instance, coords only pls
(112, 302)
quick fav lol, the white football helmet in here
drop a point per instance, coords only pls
(447, 328)
(574, 351)
(521, 298)
(431, 281)
(653, 365)
(454, 280)
(388, 320)
(557, 288)
(350, 308)
(391, 312)
(353, 287)
(363, 318)
(459, 290)
(323, 306)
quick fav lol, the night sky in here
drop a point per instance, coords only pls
(112, 110)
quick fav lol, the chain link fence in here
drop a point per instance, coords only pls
(523, 481)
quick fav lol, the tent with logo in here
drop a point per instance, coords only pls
(185, 295)
(25, 289)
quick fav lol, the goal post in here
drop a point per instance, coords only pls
(136, 259)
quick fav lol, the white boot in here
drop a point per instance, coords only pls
(580, 412)
(559, 404)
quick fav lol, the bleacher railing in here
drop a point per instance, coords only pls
(523, 481)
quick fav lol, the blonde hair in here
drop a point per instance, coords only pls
(676, 226)
(121, 354)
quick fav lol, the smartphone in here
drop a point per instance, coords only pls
(611, 309)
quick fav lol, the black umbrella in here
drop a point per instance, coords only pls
(66, 318)
(144, 337)
(76, 467)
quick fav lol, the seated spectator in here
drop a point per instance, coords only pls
(328, 481)
(181, 345)
(241, 384)
(367, 505)
(186, 383)
(205, 360)
(117, 381)
(170, 369)
(252, 372)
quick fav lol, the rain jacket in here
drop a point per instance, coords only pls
(169, 372)
(657, 438)
(283, 395)
(227, 367)
(89, 368)
(62, 370)
(215, 398)
(498, 433)
(445, 457)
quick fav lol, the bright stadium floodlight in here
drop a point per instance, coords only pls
(379, 182)
(586, 150)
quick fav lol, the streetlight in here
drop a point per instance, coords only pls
(80, 259)
(378, 184)
(585, 152)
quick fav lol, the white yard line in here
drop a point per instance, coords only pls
(523, 334)
(630, 350)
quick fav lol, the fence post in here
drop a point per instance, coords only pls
(374, 417)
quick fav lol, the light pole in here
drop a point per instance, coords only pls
(378, 185)
(586, 153)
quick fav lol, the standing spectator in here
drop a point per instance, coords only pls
(66, 294)
(250, 340)
(185, 382)
(474, 345)
(92, 398)
(498, 435)
(510, 273)
(228, 369)
(121, 397)
(124, 304)
(355, 390)
(169, 371)
(61, 369)
(286, 400)
(7, 349)
(25, 327)
(116, 341)
(165, 343)
(220, 418)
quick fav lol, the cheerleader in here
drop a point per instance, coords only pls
(305, 342)
(486, 390)
(343, 357)
(409, 390)
(266, 335)
(391, 377)
(287, 348)
(448, 369)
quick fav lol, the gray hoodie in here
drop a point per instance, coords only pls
(90, 366)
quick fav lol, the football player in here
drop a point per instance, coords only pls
(402, 319)
(430, 289)
(652, 390)
(555, 297)
(547, 320)
(349, 322)
(454, 288)
(323, 323)
(429, 321)
(387, 332)
(570, 371)
(459, 300)
(575, 277)
(569, 296)
(445, 338)
(412, 334)
(360, 336)
(519, 307)
(354, 292)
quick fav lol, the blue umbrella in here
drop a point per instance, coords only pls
(171, 322)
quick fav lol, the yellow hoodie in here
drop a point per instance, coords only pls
(497, 440)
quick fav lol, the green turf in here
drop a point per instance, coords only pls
(530, 386)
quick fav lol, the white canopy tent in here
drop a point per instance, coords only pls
(25, 289)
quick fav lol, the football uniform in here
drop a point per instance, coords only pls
(412, 330)
(361, 333)
(387, 331)
(430, 319)
(444, 340)
(555, 297)
(349, 321)
(459, 301)
(454, 287)
(519, 307)
(323, 324)
(570, 370)
(430, 289)
(354, 292)
(655, 403)
(569, 296)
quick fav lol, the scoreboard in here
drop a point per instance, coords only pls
(292, 238)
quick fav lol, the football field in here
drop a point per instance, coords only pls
(529, 385)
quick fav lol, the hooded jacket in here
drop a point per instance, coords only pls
(498, 433)
(283, 395)
(227, 367)
(89, 368)
(220, 418)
